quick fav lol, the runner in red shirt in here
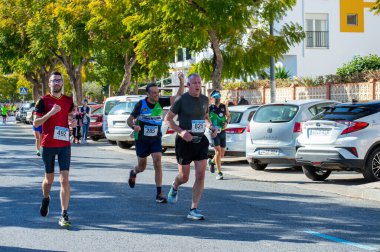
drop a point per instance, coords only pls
(54, 111)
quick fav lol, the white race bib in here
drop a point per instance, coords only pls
(150, 130)
(61, 133)
(198, 126)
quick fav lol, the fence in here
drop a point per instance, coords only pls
(343, 92)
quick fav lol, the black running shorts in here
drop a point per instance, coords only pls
(48, 156)
(220, 139)
(186, 152)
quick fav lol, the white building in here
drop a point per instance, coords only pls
(337, 30)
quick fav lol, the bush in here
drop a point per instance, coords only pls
(358, 65)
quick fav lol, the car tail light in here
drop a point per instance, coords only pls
(235, 130)
(170, 131)
(353, 126)
(297, 127)
(249, 128)
(353, 151)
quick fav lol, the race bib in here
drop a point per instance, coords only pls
(61, 133)
(150, 130)
(198, 126)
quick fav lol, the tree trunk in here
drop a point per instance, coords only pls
(129, 62)
(75, 76)
(217, 61)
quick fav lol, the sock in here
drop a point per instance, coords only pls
(64, 212)
(158, 190)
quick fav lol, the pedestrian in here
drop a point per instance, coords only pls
(53, 111)
(191, 145)
(4, 113)
(85, 111)
(37, 132)
(219, 116)
(146, 121)
(243, 101)
(230, 101)
(77, 125)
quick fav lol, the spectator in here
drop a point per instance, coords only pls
(243, 101)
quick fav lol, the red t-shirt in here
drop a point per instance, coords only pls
(43, 106)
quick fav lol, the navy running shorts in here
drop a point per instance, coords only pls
(145, 147)
(220, 139)
(187, 152)
(39, 128)
(48, 156)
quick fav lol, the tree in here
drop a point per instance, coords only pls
(58, 29)
(376, 8)
(235, 31)
(15, 53)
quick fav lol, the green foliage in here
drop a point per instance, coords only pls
(358, 65)
(281, 73)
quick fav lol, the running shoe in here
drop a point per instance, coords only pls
(173, 195)
(132, 179)
(44, 208)
(219, 176)
(161, 199)
(211, 165)
(195, 215)
(64, 221)
(38, 153)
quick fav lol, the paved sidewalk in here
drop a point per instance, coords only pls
(349, 184)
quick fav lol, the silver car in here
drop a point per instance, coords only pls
(273, 130)
(168, 135)
(117, 127)
(236, 129)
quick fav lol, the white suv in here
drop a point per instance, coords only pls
(344, 137)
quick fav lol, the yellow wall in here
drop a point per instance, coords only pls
(353, 7)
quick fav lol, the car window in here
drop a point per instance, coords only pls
(97, 111)
(276, 113)
(319, 108)
(348, 113)
(251, 115)
(123, 108)
(235, 116)
(109, 105)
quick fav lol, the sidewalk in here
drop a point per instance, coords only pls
(350, 184)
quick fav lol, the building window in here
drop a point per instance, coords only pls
(352, 19)
(188, 54)
(180, 55)
(317, 34)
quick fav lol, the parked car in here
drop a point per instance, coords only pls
(95, 131)
(112, 102)
(168, 135)
(236, 130)
(274, 128)
(29, 116)
(344, 137)
(117, 129)
(22, 112)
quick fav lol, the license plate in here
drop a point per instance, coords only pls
(269, 152)
(319, 132)
(93, 120)
(120, 124)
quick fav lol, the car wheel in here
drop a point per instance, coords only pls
(371, 171)
(257, 166)
(112, 142)
(94, 138)
(315, 174)
(164, 149)
(124, 145)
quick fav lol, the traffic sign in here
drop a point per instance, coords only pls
(23, 91)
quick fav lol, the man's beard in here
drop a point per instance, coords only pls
(57, 89)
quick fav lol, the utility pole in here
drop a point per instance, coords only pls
(272, 69)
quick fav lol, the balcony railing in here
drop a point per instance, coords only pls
(317, 39)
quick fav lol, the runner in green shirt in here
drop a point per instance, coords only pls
(4, 113)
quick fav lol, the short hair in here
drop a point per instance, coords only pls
(192, 76)
(149, 86)
(55, 73)
(85, 100)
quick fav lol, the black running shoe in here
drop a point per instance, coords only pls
(44, 209)
(64, 221)
(132, 179)
(161, 199)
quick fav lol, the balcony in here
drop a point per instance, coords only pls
(317, 39)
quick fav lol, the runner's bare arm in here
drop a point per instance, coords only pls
(209, 125)
(40, 120)
(169, 119)
(131, 124)
(181, 88)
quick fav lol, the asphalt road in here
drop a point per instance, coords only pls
(241, 214)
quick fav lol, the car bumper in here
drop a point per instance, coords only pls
(327, 159)
(266, 155)
(127, 137)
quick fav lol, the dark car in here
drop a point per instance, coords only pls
(95, 131)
